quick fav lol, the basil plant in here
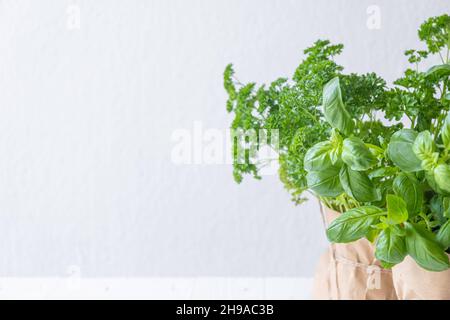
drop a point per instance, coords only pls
(397, 193)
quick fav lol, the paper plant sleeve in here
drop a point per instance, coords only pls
(414, 283)
(351, 272)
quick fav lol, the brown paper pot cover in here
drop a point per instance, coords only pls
(351, 272)
(414, 283)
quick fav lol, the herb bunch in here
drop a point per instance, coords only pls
(293, 107)
(390, 181)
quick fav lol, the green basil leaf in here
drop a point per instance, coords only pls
(447, 96)
(317, 158)
(445, 132)
(387, 265)
(390, 247)
(407, 187)
(356, 155)
(446, 203)
(384, 187)
(400, 150)
(383, 172)
(335, 155)
(354, 224)
(398, 230)
(325, 183)
(443, 236)
(430, 162)
(424, 148)
(381, 226)
(396, 208)
(424, 249)
(440, 71)
(375, 150)
(334, 109)
(372, 234)
(358, 185)
(430, 176)
(423, 144)
(442, 177)
(336, 146)
(439, 207)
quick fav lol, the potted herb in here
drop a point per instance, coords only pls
(293, 107)
(384, 182)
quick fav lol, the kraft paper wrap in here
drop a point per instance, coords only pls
(414, 283)
(351, 272)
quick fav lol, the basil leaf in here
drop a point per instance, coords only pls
(445, 132)
(372, 234)
(423, 144)
(354, 224)
(440, 209)
(446, 204)
(387, 265)
(440, 71)
(334, 109)
(424, 147)
(430, 176)
(443, 236)
(356, 155)
(336, 146)
(396, 209)
(358, 185)
(437, 208)
(442, 177)
(398, 230)
(325, 183)
(384, 187)
(423, 248)
(390, 247)
(407, 187)
(400, 150)
(383, 172)
(318, 157)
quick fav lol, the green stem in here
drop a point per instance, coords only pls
(440, 122)
(427, 221)
(440, 55)
(411, 120)
(313, 117)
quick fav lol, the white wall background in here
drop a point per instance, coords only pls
(86, 117)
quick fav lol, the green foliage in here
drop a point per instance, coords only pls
(318, 158)
(435, 33)
(396, 209)
(390, 247)
(408, 188)
(445, 133)
(391, 182)
(422, 246)
(356, 155)
(440, 71)
(333, 108)
(400, 150)
(442, 177)
(443, 236)
(357, 185)
(354, 224)
(325, 183)
(291, 107)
